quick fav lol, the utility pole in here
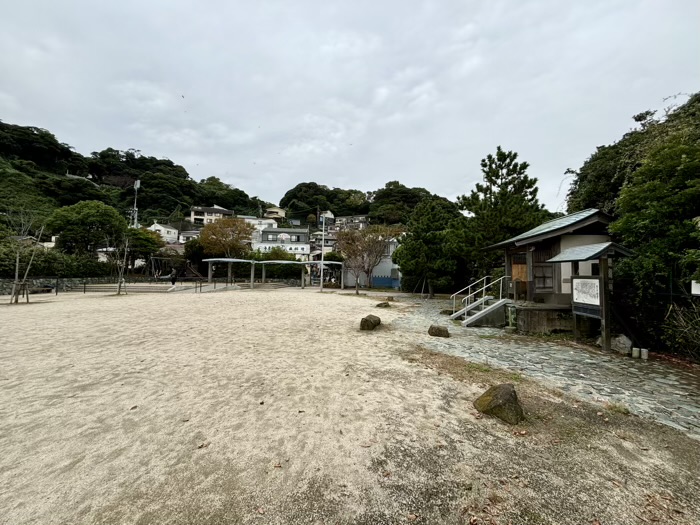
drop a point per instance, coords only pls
(137, 185)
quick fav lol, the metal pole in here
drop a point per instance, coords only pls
(263, 274)
(302, 276)
(323, 241)
(210, 274)
(252, 275)
(342, 276)
(137, 185)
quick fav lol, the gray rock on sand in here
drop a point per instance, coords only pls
(438, 331)
(370, 322)
(383, 305)
(502, 402)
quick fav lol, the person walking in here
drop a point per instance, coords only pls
(173, 276)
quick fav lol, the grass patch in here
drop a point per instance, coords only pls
(478, 367)
(617, 408)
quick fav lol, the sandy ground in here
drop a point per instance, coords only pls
(272, 407)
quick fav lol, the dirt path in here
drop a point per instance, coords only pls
(272, 407)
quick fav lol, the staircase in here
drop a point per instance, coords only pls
(482, 302)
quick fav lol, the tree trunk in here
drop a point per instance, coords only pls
(26, 272)
(431, 292)
(369, 279)
(357, 285)
(16, 282)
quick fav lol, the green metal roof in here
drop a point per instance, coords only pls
(559, 225)
(588, 252)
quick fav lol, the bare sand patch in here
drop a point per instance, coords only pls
(272, 407)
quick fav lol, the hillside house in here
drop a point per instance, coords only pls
(352, 222)
(291, 240)
(275, 212)
(207, 215)
(168, 233)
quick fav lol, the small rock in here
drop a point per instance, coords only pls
(390, 298)
(622, 344)
(447, 311)
(438, 331)
(134, 407)
(262, 402)
(502, 402)
(370, 322)
(383, 305)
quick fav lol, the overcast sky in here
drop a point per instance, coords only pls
(352, 94)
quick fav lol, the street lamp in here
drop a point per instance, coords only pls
(137, 185)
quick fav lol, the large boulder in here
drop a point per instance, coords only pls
(502, 402)
(370, 322)
(438, 331)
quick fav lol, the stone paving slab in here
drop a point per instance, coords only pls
(666, 392)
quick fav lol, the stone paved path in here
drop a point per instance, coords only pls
(666, 392)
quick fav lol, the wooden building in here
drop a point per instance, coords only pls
(527, 256)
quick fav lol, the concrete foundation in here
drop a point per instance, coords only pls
(535, 318)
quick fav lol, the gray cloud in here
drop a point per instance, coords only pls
(351, 94)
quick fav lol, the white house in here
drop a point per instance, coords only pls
(385, 275)
(258, 223)
(292, 240)
(168, 233)
(352, 222)
(188, 236)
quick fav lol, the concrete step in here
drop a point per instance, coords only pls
(486, 311)
(467, 309)
(262, 286)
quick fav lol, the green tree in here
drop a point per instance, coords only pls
(648, 180)
(394, 203)
(142, 244)
(658, 209)
(213, 191)
(423, 253)
(85, 227)
(504, 205)
(226, 237)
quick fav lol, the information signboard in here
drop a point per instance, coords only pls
(587, 297)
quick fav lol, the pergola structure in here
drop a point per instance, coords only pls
(229, 262)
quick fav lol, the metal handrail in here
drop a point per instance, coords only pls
(483, 289)
(454, 295)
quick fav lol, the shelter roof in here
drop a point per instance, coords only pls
(556, 227)
(589, 252)
(225, 260)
